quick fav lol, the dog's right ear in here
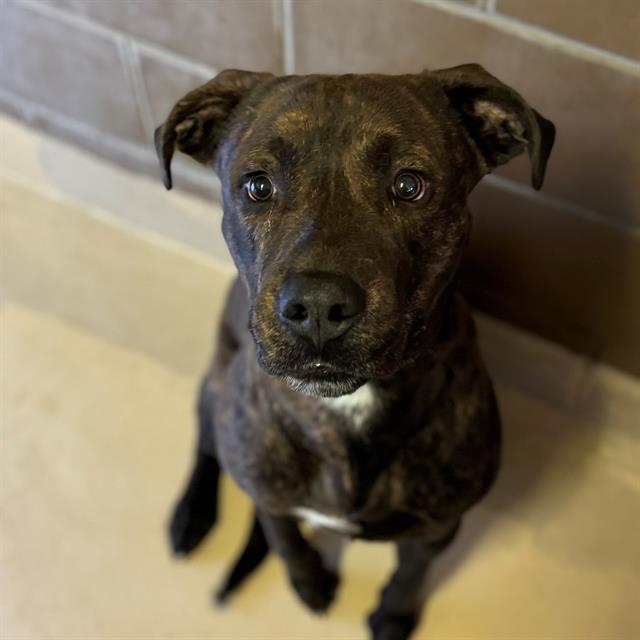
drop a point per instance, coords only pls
(196, 121)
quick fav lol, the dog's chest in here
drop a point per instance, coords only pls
(354, 497)
(350, 475)
(320, 519)
(327, 462)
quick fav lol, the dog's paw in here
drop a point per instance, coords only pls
(385, 626)
(317, 588)
(191, 521)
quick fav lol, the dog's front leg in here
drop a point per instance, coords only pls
(196, 511)
(402, 598)
(313, 582)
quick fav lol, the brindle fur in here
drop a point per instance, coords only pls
(332, 145)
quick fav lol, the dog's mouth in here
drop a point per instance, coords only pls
(324, 388)
(321, 380)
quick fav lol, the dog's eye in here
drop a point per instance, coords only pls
(259, 187)
(409, 185)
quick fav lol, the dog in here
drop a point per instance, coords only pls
(347, 388)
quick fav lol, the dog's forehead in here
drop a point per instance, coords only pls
(351, 111)
(328, 100)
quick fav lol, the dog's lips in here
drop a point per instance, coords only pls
(319, 369)
(314, 375)
(330, 387)
(321, 379)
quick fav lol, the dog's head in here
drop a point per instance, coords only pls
(345, 203)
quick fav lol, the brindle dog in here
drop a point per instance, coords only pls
(347, 386)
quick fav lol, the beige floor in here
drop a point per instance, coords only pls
(105, 323)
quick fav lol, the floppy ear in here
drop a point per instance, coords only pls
(498, 119)
(196, 122)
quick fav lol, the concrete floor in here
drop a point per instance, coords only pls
(106, 321)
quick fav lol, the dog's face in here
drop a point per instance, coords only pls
(345, 204)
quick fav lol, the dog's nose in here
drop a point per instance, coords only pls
(320, 306)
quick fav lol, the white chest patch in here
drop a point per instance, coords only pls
(358, 407)
(318, 519)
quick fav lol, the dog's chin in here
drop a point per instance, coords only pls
(312, 376)
(323, 388)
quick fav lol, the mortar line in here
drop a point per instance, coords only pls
(538, 35)
(136, 152)
(288, 40)
(174, 59)
(131, 63)
(33, 110)
(508, 24)
(88, 25)
(523, 190)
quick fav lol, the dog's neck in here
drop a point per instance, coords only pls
(357, 408)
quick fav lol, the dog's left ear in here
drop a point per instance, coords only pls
(197, 121)
(497, 118)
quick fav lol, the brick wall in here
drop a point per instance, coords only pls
(564, 262)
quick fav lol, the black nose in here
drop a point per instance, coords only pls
(320, 306)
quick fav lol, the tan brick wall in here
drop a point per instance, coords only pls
(564, 262)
